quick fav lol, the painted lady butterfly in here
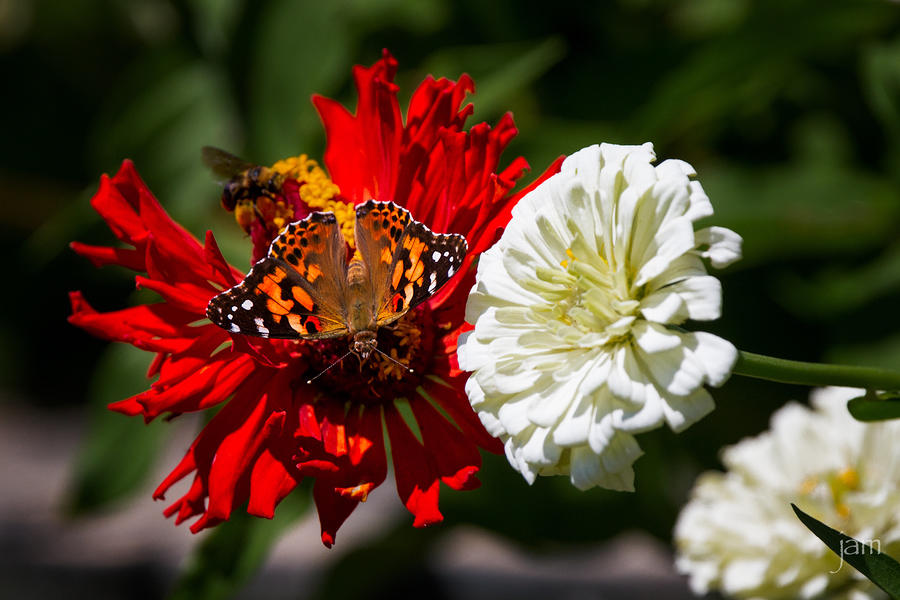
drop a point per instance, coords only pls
(304, 288)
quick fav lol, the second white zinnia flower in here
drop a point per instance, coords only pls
(574, 349)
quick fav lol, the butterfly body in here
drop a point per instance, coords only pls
(361, 318)
(306, 289)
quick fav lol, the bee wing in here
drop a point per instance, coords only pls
(222, 163)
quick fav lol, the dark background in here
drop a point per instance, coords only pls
(789, 111)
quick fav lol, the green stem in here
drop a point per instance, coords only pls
(818, 374)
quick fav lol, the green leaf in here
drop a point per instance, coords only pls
(234, 550)
(875, 407)
(119, 451)
(880, 569)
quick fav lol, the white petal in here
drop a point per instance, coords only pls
(744, 574)
(621, 453)
(540, 449)
(674, 239)
(588, 470)
(723, 246)
(674, 168)
(700, 205)
(677, 371)
(702, 297)
(718, 356)
(601, 433)
(664, 306)
(682, 412)
(653, 338)
(575, 428)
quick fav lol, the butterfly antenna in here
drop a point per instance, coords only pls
(328, 367)
(393, 360)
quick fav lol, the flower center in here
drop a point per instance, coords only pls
(832, 487)
(409, 342)
(587, 294)
(271, 197)
(318, 192)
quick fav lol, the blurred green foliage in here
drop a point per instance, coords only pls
(789, 111)
(118, 452)
(234, 550)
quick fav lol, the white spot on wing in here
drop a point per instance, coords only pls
(235, 328)
(435, 256)
(450, 272)
(433, 283)
(259, 326)
(247, 304)
(230, 317)
(233, 307)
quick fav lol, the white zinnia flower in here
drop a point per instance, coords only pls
(738, 533)
(573, 350)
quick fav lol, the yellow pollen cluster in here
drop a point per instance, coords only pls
(838, 484)
(275, 212)
(318, 191)
(407, 336)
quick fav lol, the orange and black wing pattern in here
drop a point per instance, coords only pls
(380, 227)
(407, 262)
(297, 291)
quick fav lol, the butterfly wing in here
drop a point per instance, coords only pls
(407, 262)
(296, 291)
(380, 227)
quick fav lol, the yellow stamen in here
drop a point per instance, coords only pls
(849, 477)
(843, 510)
(358, 492)
(318, 191)
(837, 485)
(809, 484)
(408, 338)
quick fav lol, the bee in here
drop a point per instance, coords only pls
(250, 191)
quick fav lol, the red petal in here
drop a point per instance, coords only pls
(236, 454)
(308, 424)
(116, 201)
(270, 482)
(456, 404)
(179, 296)
(334, 434)
(104, 255)
(455, 456)
(214, 258)
(417, 479)
(333, 508)
(153, 327)
(209, 385)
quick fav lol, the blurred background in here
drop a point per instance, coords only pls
(789, 111)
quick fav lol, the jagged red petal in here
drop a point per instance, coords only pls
(418, 482)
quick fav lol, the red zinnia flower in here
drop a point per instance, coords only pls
(276, 429)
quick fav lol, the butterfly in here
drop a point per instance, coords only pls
(305, 289)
